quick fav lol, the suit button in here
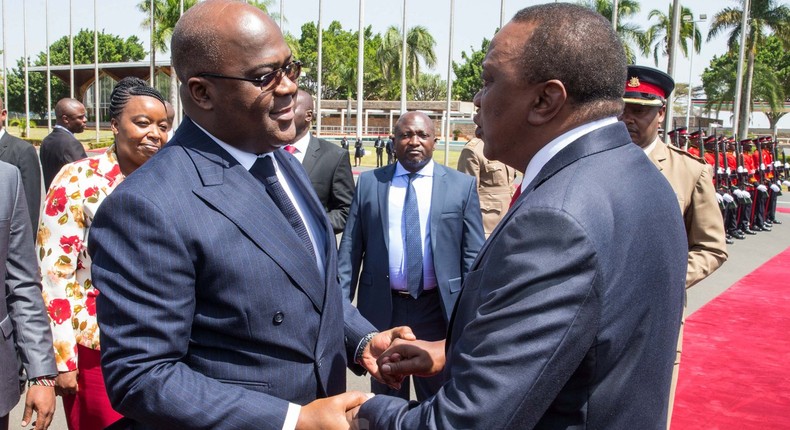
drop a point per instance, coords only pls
(278, 318)
(320, 362)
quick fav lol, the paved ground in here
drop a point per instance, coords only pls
(744, 257)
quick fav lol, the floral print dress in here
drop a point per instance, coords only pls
(62, 245)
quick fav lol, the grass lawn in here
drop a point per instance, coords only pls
(88, 137)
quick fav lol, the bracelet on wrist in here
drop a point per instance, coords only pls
(46, 381)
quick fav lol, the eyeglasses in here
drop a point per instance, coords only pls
(265, 82)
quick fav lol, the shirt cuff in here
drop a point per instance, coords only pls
(292, 417)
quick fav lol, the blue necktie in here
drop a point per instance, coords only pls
(413, 254)
(263, 170)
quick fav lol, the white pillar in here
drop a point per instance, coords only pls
(96, 66)
(360, 66)
(403, 62)
(49, 74)
(71, 53)
(319, 81)
(27, 66)
(449, 85)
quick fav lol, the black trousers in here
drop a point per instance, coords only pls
(425, 317)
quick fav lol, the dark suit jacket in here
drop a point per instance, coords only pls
(23, 318)
(570, 316)
(211, 314)
(21, 154)
(456, 237)
(329, 170)
(58, 149)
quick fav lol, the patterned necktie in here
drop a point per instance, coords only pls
(290, 148)
(413, 254)
(263, 170)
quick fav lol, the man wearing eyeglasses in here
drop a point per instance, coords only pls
(414, 230)
(219, 304)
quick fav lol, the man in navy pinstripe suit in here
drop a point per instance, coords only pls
(215, 310)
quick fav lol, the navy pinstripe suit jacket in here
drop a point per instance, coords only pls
(210, 315)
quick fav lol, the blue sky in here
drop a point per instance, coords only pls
(474, 20)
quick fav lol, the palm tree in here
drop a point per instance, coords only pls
(657, 36)
(630, 34)
(763, 15)
(419, 47)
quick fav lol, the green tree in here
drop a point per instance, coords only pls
(420, 46)
(632, 36)
(657, 35)
(718, 81)
(764, 15)
(340, 62)
(428, 87)
(112, 49)
(468, 80)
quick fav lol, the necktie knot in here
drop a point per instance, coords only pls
(290, 148)
(264, 171)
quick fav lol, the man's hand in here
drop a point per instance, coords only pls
(66, 383)
(419, 358)
(332, 412)
(41, 399)
(379, 344)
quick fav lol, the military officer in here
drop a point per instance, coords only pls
(494, 182)
(646, 94)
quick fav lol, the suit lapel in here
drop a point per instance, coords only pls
(437, 202)
(230, 189)
(384, 178)
(659, 155)
(312, 154)
(4, 143)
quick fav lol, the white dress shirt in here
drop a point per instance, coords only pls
(247, 159)
(551, 149)
(423, 186)
(301, 147)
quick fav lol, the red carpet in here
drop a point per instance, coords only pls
(735, 370)
(783, 210)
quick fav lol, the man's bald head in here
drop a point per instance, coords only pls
(304, 112)
(203, 33)
(70, 114)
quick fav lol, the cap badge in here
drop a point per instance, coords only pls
(633, 82)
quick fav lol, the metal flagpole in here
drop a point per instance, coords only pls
(449, 85)
(5, 69)
(360, 66)
(96, 86)
(739, 80)
(403, 63)
(49, 74)
(27, 82)
(319, 78)
(673, 44)
(502, 14)
(702, 18)
(71, 54)
(179, 113)
(153, 54)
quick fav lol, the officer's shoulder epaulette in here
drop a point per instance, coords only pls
(685, 153)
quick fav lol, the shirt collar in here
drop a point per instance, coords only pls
(246, 159)
(426, 170)
(545, 154)
(301, 143)
(64, 128)
(652, 146)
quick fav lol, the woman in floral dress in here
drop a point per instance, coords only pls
(139, 122)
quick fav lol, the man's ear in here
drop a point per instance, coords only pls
(549, 98)
(308, 115)
(662, 112)
(199, 90)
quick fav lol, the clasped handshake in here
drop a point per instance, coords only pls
(389, 357)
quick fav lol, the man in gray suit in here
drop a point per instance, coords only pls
(23, 317)
(22, 155)
(399, 285)
(569, 317)
(326, 164)
(61, 147)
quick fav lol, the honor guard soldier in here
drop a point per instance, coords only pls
(646, 94)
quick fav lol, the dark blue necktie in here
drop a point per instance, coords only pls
(263, 170)
(413, 251)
